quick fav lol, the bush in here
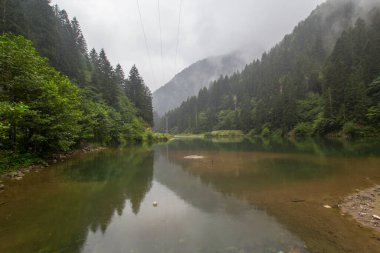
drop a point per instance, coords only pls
(354, 130)
(303, 129)
(10, 160)
(265, 132)
(224, 133)
(42, 110)
(325, 126)
(252, 133)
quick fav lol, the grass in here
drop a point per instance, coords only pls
(192, 136)
(158, 137)
(11, 161)
(224, 133)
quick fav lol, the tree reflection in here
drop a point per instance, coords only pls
(81, 195)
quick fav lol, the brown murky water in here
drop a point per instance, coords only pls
(239, 197)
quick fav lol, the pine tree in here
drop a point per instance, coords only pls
(107, 81)
(80, 41)
(120, 76)
(140, 95)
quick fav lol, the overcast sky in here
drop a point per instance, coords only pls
(208, 27)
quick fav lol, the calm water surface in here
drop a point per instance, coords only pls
(242, 197)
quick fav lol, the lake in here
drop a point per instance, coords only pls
(240, 196)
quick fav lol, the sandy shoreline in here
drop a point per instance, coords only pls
(364, 207)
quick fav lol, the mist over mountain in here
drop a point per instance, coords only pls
(189, 81)
(322, 79)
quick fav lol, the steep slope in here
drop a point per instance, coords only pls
(188, 82)
(55, 112)
(293, 86)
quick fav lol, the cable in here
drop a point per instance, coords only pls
(146, 41)
(178, 33)
(159, 22)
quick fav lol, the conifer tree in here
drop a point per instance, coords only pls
(140, 95)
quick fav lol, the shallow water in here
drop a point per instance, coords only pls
(239, 197)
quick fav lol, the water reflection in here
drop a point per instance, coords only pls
(53, 211)
(291, 181)
(191, 217)
(251, 196)
(338, 147)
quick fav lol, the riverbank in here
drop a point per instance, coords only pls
(17, 174)
(364, 207)
(14, 166)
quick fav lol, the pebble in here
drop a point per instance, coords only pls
(327, 206)
(2, 187)
(376, 217)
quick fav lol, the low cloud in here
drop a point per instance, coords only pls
(208, 27)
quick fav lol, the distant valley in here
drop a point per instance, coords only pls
(188, 82)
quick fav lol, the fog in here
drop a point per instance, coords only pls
(207, 28)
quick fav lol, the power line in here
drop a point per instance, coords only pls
(159, 22)
(146, 41)
(178, 32)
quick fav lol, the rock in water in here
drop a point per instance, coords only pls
(327, 206)
(376, 217)
(155, 204)
(2, 187)
(194, 157)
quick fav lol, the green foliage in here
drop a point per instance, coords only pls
(43, 106)
(325, 126)
(311, 83)
(10, 114)
(227, 119)
(309, 108)
(43, 112)
(373, 114)
(303, 129)
(160, 137)
(224, 133)
(140, 95)
(11, 161)
(265, 132)
(354, 130)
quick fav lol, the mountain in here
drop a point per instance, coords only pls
(56, 95)
(188, 82)
(322, 79)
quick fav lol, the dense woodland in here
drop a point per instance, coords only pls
(323, 79)
(54, 93)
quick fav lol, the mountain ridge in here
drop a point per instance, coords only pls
(190, 80)
(319, 80)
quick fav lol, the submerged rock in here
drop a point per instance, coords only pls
(194, 157)
(2, 187)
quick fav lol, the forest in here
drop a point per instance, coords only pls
(323, 79)
(55, 94)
